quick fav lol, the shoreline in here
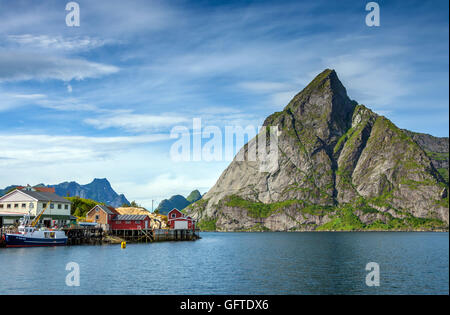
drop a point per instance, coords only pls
(334, 231)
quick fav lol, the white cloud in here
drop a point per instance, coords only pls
(41, 148)
(372, 76)
(18, 66)
(263, 86)
(66, 104)
(135, 122)
(47, 42)
(165, 185)
(28, 96)
(15, 100)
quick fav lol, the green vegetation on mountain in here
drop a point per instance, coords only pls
(81, 206)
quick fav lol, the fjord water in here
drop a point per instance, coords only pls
(238, 263)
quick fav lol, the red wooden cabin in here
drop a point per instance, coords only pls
(130, 222)
(178, 221)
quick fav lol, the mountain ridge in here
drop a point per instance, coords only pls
(340, 167)
(178, 201)
(99, 190)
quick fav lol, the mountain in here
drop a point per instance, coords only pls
(178, 201)
(99, 190)
(194, 196)
(338, 166)
(7, 189)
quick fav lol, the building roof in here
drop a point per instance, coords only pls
(108, 210)
(38, 188)
(45, 196)
(130, 217)
(39, 195)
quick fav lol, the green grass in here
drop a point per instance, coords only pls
(262, 210)
(345, 220)
(258, 227)
(207, 224)
(344, 216)
(444, 173)
(438, 156)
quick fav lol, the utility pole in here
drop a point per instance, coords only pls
(152, 205)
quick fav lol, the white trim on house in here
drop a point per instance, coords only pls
(17, 191)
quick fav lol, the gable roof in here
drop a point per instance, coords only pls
(45, 196)
(39, 195)
(107, 209)
(130, 217)
(38, 188)
(174, 209)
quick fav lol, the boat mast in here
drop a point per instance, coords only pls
(36, 220)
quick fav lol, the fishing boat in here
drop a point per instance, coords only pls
(29, 236)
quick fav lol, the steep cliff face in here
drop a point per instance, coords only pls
(339, 166)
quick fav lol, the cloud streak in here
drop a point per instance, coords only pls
(52, 43)
(42, 148)
(26, 66)
(135, 122)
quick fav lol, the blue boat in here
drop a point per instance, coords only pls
(29, 236)
(32, 238)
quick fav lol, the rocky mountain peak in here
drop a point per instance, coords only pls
(339, 165)
(101, 181)
(322, 109)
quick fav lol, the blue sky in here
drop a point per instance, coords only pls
(100, 100)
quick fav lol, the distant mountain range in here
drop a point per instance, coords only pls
(178, 201)
(98, 190)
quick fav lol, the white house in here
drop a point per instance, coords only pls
(21, 201)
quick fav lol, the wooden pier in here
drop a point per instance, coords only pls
(84, 235)
(156, 235)
(96, 235)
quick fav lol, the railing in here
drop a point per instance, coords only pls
(8, 229)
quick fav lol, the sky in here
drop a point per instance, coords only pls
(100, 100)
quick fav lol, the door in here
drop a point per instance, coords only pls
(181, 225)
(146, 224)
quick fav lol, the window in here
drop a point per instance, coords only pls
(8, 206)
(138, 222)
(173, 215)
(31, 205)
(1, 206)
(66, 207)
(16, 205)
(24, 205)
(127, 222)
(97, 217)
(52, 206)
(59, 206)
(44, 205)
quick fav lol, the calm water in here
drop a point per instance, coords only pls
(238, 263)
